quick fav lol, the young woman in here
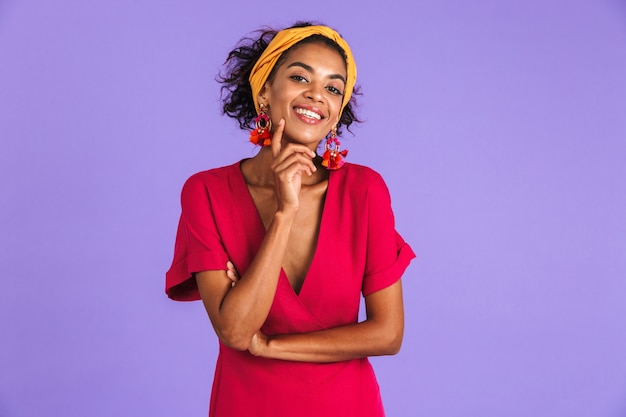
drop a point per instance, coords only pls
(281, 246)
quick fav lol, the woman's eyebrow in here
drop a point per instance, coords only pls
(310, 69)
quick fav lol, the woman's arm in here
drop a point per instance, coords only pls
(238, 312)
(380, 334)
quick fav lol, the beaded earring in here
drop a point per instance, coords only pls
(333, 155)
(262, 133)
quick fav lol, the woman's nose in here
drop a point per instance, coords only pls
(315, 91)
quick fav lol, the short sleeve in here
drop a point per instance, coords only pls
(198, 244)
(388, 255)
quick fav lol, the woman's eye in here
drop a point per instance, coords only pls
(299, 78)
(334, 90)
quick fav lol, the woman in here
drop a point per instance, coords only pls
(280, 246)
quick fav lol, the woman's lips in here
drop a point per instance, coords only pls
(308, 115)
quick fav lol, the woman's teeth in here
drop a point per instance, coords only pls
(308, 113)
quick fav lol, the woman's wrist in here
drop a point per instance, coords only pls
(286, 214)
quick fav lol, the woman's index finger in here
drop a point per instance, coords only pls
(277, 137)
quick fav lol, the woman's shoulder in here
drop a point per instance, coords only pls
(218, 175)
(211, 181)
(364, 186)
(361, 176)
(213, 174)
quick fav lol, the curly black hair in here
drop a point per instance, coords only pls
(236, 91)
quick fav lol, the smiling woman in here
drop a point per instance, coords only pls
(280, 247)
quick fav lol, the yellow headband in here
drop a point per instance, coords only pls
(284, 40)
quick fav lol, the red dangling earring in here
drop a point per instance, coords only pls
(333, 155)
(262, 133)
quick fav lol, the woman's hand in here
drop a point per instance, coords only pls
(232, 273)
(290, 162)
(258, 345)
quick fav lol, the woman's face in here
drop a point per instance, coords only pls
(307, 91)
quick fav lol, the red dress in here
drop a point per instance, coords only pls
(358, 252)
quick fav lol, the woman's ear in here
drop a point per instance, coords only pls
(264, 93)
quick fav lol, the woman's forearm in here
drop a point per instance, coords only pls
(380, 334)
(354, 341)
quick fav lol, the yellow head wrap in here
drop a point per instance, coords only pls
(287, 38)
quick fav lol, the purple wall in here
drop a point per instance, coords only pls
(500, 129)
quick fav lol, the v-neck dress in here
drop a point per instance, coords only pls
(358, 253)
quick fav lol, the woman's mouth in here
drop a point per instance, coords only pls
(308, 116)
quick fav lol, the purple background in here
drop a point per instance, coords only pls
(500, 128)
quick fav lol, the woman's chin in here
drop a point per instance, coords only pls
(309, 141)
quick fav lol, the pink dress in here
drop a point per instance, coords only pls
(358, 252)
